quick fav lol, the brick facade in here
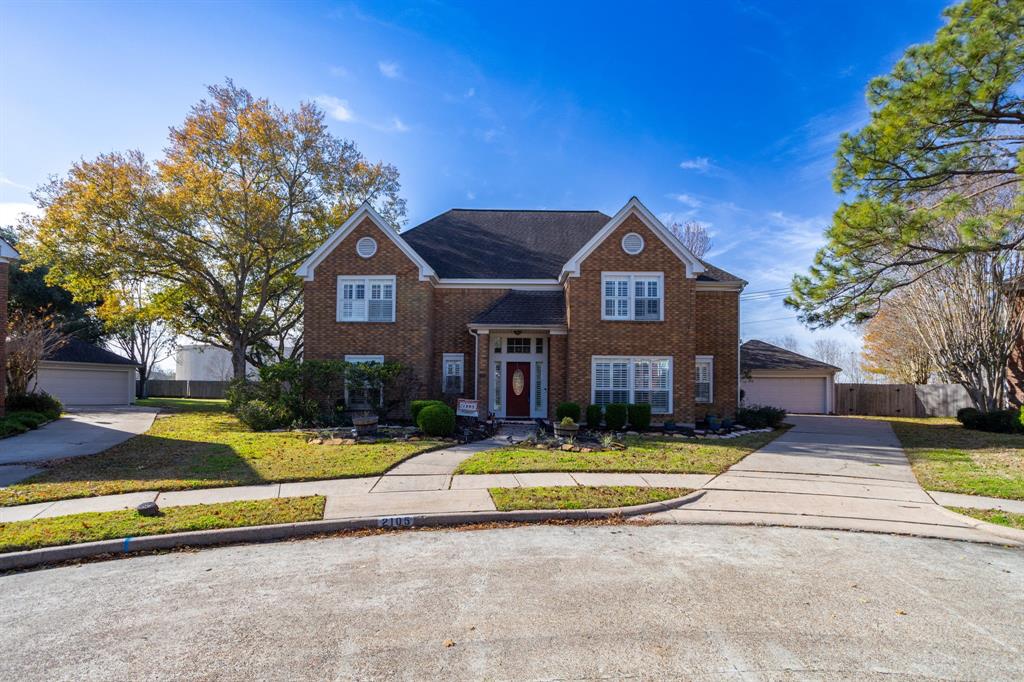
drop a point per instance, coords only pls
(4, 284)
(432, 320)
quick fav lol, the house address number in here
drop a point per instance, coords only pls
(395, 522)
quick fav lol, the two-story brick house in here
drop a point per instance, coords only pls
(525, 309)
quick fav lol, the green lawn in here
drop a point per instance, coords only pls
(947, 457)
(580, 497)
(1003, 518)
(203, 446)
(647, 454)
(93, 526)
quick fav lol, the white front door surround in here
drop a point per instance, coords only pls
(522, 347)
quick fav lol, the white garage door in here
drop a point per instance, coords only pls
(87, 386)
(793, 394)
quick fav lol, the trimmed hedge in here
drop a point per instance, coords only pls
(760, 416)
(260, 415)
(639, 416)
(416, 406)
(571, 410)
(436, 420)
(616, 415)
(594, 414)
(41, 402)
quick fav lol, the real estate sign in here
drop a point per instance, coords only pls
(467, 408)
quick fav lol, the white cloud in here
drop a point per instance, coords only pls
(701, 164)
(7, 182)
(470, 196)
(339, 72)
(388, 69)
(471, 92)
(397, 125)
(687, 200)
(10, 211)
(337, 109)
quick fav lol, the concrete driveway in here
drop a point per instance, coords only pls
(830, 472)
(82, 431)
(528, 603)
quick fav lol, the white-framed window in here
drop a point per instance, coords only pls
(365, 393)
(704, 392)
(454, 371)
(519, 345)
(633, 296)
(632, 380)
(366, 299)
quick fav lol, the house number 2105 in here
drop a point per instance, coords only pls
(395, 522)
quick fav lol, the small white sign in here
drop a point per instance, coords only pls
(395, 522)
(467, 408)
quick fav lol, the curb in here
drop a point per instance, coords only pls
(223, 536)
(995, 529)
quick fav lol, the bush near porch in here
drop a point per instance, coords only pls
(651, 454)
(202, 445)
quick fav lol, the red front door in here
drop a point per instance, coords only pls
(517, 389)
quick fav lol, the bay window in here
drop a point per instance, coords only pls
(633, 380)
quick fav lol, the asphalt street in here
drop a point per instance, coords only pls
(538, 602)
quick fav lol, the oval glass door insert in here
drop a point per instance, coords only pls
(518, 382)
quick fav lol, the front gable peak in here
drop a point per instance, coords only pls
(634, 207)
(366, 211)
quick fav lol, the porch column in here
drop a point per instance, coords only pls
(483, 373)
(557, 373)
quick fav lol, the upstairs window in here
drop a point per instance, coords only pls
(366, 299)
(632, 296)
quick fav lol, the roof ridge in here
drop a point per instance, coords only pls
(525, 210)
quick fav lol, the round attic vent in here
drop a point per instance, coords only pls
(632, 243)
(366, 247)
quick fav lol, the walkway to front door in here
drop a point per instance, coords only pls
(517, 389)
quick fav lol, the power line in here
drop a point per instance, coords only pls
(770, 319)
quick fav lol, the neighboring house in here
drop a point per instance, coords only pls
(79, 373)
(781, 378)
(7, 256)
(205, 363)
(526, 309)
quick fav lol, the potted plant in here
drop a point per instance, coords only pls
(365, 424)
(566, 428)
(714, 423)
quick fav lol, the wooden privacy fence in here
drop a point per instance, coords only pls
(901, 400)
(173, 388)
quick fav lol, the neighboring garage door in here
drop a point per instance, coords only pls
(793, 394)
(87, 384)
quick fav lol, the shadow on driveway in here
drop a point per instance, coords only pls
(84, 431)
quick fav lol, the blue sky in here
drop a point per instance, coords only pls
(723, 112)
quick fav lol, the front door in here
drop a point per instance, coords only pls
(517, 389)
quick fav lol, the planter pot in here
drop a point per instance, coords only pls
(365, 425)
(566, 431)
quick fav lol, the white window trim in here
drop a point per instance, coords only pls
(630, 276)
(460, 358)
(366, 281)
(631, 361)
(710, 361)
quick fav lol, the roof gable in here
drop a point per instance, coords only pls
(364, 212)
(7, 252)
(694, 266)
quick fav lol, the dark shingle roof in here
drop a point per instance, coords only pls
(716, 274)
(756, 354)
(544, 308)
(74, 350)
(497, 244)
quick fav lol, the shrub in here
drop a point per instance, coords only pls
(760, 416)
(999, 421)
(616, 415)
(11, 427)
(571, 410)
(567, 421)
(639, 416)
(966, 414)
(436, 420)
(594, 414)
(259, 415)
(1020, 419)
(241, 391)
(416, 406)
(31, 420)
(40, 402)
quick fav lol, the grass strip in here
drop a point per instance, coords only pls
(580, 497)
(1002, 518)
(93, 526)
